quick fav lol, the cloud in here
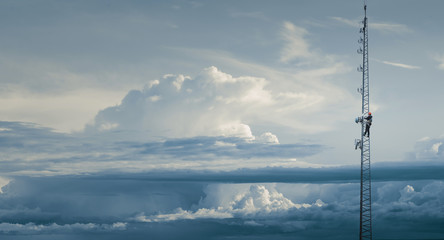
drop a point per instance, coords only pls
(257, 201)
(415, 204)
(296, 46)
(34, 150)
(390, 27)
(32, 228)
(378, 26)
(401, 65)
(215, 103)
(181, 214)
(235, 147)
(268, 137)
(429, 149)
(440, 60)
(131, 203)
(212, 104)
(348, 22)
(410, 204)
(3, 183)
(29, 149)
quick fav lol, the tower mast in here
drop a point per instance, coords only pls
(365, 221)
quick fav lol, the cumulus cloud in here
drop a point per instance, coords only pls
(429, 149)
(213, 103)
(414, 204)
(268, 137)
(257, 201)
(405, 202)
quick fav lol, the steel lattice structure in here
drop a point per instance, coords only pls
(364, 143)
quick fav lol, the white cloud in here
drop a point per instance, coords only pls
(352, 23)
(428, 148)
(180, 214)
(224, 144)
(435, 147)
(440, 60)
(235, 129)
(255, 201)
(108, 126)
(3, 183)
(401, 65)
(390, 27)
(268, 137)
(296, 46)
(215, 103)
(155, 98)
(152, 83)
(179, 81)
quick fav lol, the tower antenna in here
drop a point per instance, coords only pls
(365, 220)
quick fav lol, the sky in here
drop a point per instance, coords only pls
(218, 119)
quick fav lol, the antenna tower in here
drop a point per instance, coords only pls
(365, 221)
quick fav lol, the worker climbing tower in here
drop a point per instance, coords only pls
(365, 231)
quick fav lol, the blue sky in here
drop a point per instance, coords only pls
(187, 91)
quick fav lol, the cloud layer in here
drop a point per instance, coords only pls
(31, 228)
(137, 207)
(33, 150)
